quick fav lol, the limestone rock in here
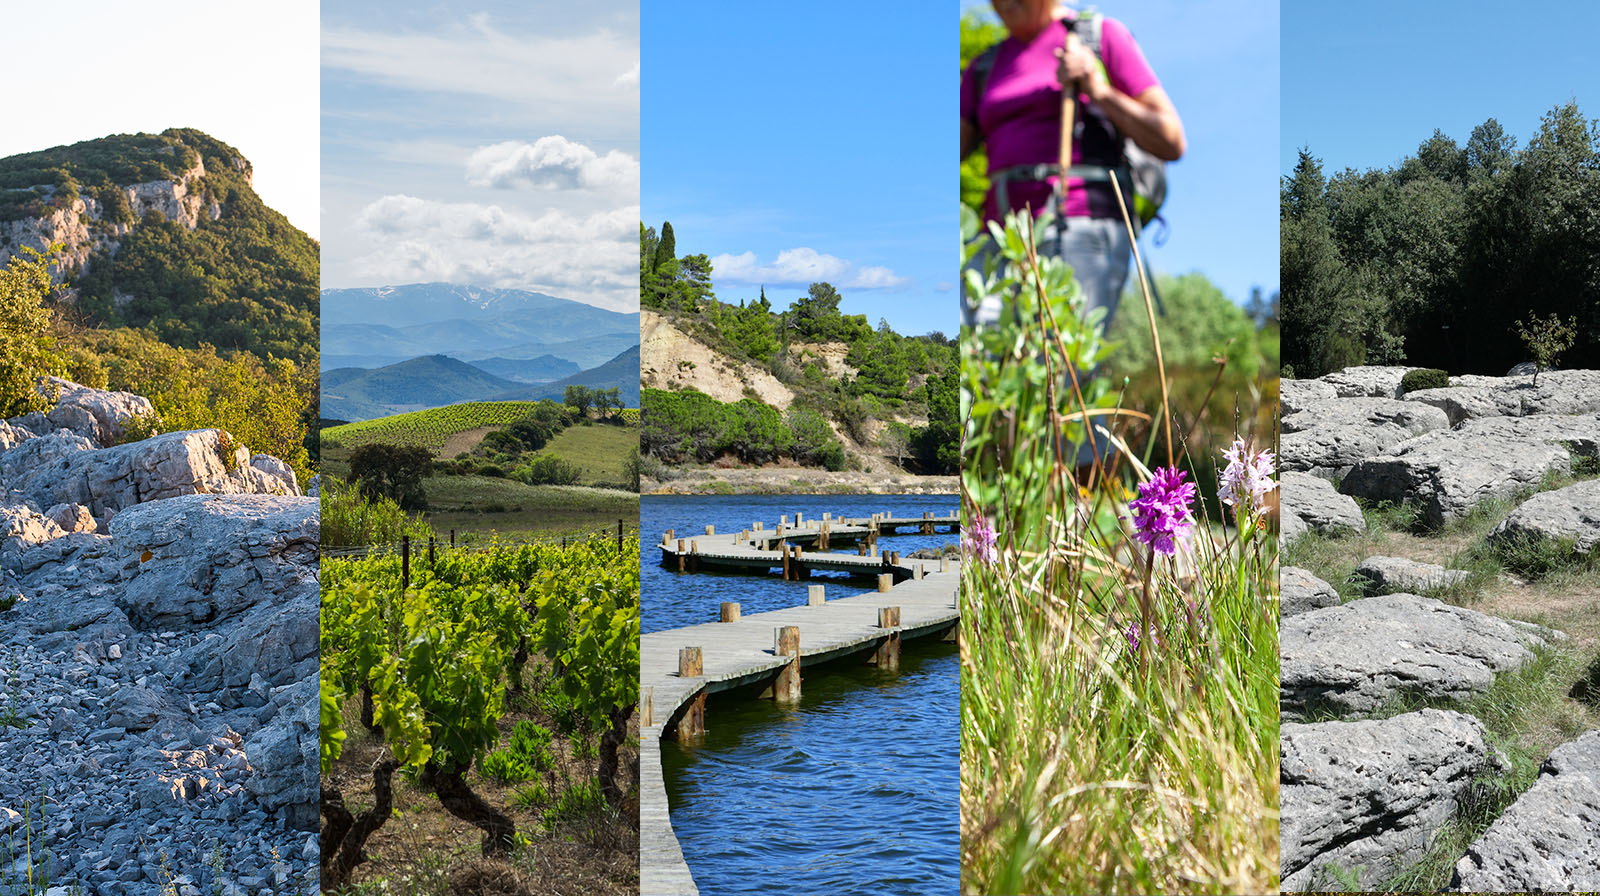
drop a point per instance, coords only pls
(1572, 512)
(71, 517)
(12, 435)
(1449, 472)
(1318, 505)
(285, 755)
(95, 413)
(195, 558)
(1326, 438)
(1295, 395)
(1396, 575)
(1549, 839)
(1365, 797)
(1473, 397)
(22, 528)
(1303, 592)
(1352, 658)
(55, 469)
(1368, 382)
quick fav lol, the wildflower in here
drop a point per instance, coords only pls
(1161, 513)
(1246, 480)
(1132, 634)
(980, 542)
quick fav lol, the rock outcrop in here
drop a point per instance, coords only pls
(1549, 839)
(161, 652)
(1362, 799)
(1398, 575)
(1328, 437)
(1303, 592)
(1562, 392)
(1449, 472)
(1353, 658)
(1571, 513)
(1313, 504)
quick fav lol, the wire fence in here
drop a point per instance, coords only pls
(406, 546)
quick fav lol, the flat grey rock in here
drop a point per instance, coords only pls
(1353, 658)
(1450, 472)
(1294, 395)
(1368, 382)
(1303, 592)
(1565, 513)
(1549, 839)
(1365, 797)
(1327, 437)
(1319, 507)
(1475, 397)
(1396, 575)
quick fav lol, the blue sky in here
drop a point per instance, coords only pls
(1365, 87)
(797, 140)
(494, 144)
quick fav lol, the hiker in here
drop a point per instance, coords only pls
(1012, 101)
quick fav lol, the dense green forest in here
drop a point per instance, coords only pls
(247, 280)
(896, 375)
(1431, 262)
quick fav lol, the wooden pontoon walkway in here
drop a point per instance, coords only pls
(744, 653)
(800, 549)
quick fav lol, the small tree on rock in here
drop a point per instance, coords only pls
(1546, 338)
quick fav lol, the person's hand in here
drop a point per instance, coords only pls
(1077, 65)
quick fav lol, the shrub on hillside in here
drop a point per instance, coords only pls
(549, 469)
(348, 519)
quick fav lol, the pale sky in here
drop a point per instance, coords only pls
(245, 73)
(483, 142)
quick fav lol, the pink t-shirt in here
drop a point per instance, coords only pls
(1019, 115)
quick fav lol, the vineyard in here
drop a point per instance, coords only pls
(501, 687)
(431, 428)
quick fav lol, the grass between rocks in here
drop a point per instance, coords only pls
(1527, 712)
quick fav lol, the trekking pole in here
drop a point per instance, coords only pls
(1069, 107)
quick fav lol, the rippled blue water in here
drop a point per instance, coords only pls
(672, 599)
(854, 790)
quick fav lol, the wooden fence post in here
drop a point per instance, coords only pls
(405, 562)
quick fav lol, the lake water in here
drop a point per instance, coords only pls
(672, 599)
(853, 790)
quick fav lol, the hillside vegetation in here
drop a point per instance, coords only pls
(846, 393)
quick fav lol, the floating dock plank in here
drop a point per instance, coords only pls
(735, 654)
(764, 550)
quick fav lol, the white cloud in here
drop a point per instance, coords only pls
(566, 79)
(553, 163)
(591, 258)
(803, 266)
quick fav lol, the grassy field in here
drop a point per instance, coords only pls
(478, 506)
(599, 450)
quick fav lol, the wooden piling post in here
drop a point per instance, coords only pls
(917, 571)
(730, 611)
(783, 549)
(944, 563)
(887, 656)
(885, 583)
(710, 529)
(815, 595)
(691, 664)
(786, 689)
(681, 560)
(694, 554)
(647, 707)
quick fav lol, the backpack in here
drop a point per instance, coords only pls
(1146, 173)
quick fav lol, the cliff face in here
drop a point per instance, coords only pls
(89, 224)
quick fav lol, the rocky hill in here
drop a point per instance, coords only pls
(158, 679)
(165, 231)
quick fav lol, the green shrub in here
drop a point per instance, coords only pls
(350, 520)
(549, 469)
(1425, 378)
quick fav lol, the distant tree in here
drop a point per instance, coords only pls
(580, 399)
(666, 248)
(815, 314)
(392, 471)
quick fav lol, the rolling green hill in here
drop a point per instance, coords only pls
(434, 381)
(429, 429)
